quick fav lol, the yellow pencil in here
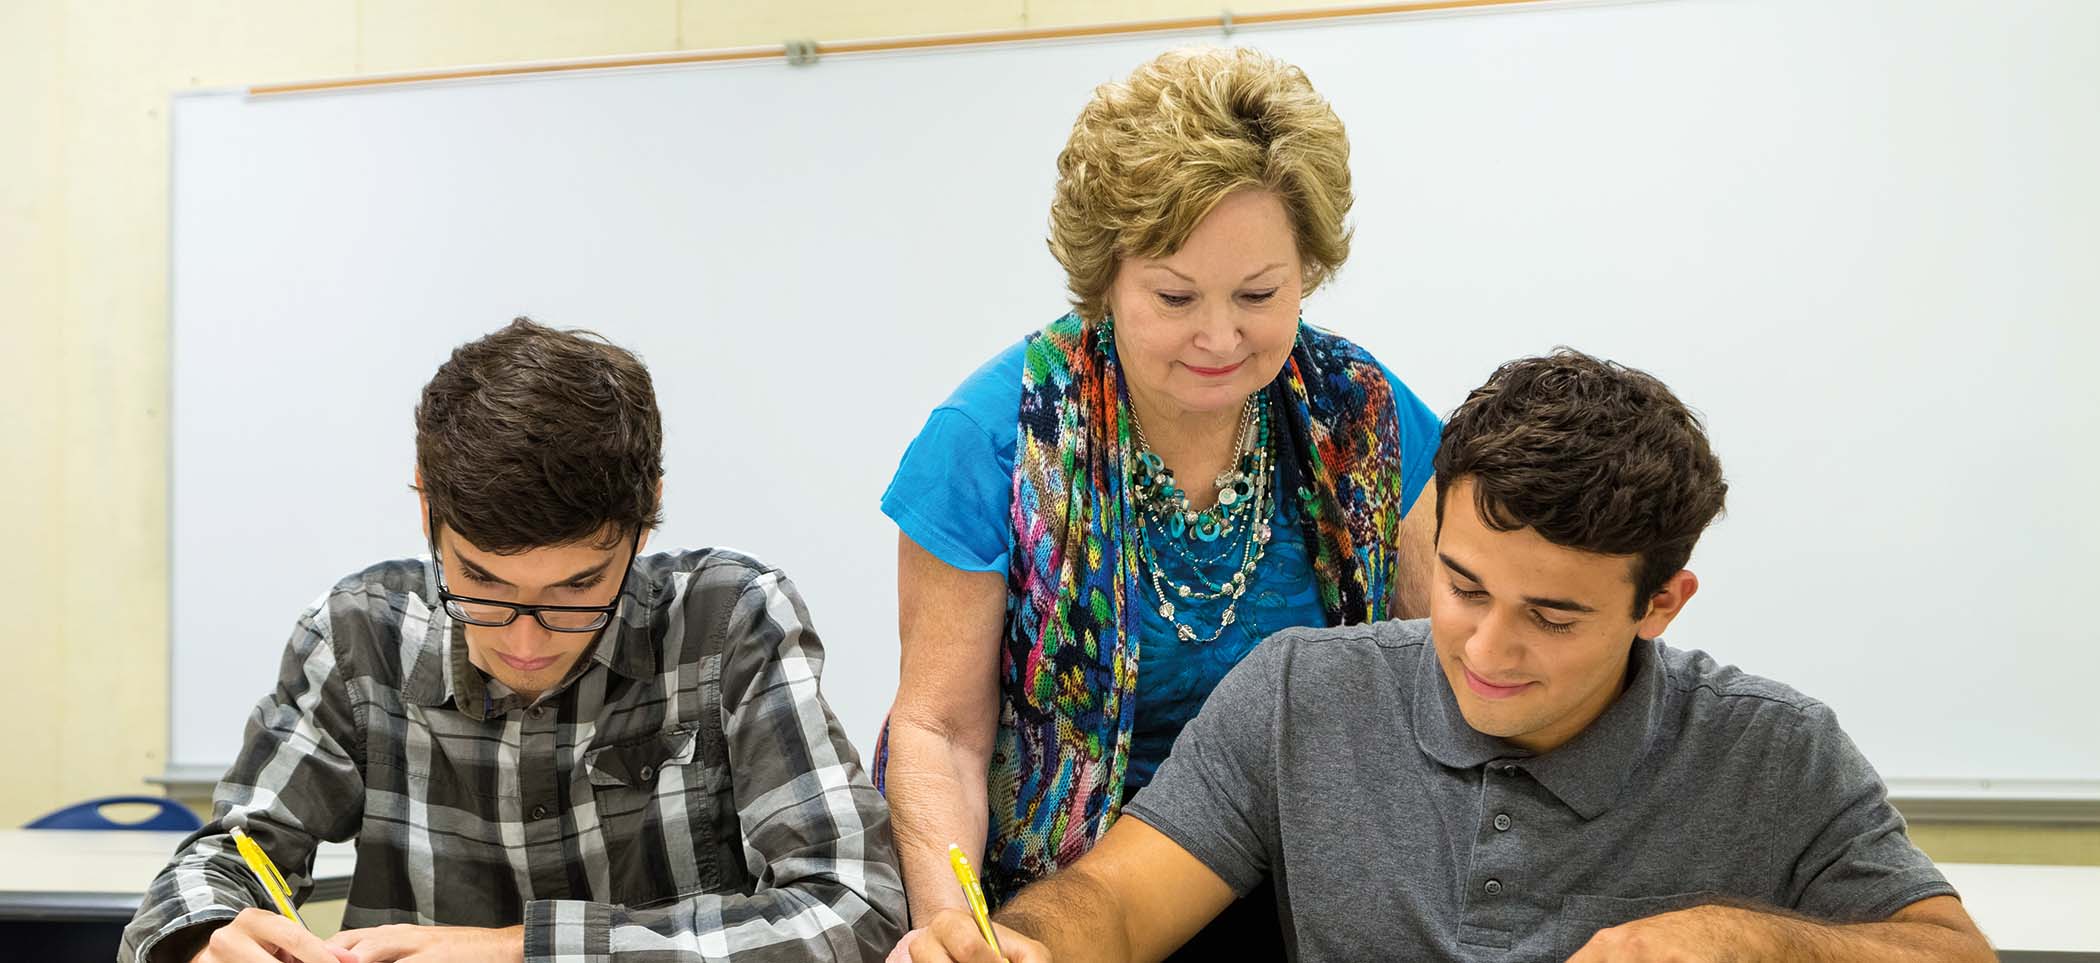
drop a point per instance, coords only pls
(973, 895)
(259, 864)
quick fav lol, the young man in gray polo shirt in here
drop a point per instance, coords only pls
(1529, 774)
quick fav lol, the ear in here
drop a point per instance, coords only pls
(649, 532)
(422, 507)
(1667, 601)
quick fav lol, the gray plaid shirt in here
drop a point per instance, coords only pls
(684, 795)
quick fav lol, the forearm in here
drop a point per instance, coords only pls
(1780, 938)
(1073, 915)
(936, 792)
(811, 919)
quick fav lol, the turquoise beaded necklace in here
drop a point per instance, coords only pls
(1237, 524)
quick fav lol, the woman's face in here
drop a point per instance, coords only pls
(1201, 329)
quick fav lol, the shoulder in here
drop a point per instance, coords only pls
(388, 580)
(1712, 684)
(713, 596)
(1343, 364)
(736, 618)
(702, 580)
(1725, 704)
(1743, 733)
(1327, 344)
(1321, 687)
(376, 603)
(708, 607)
(371, 625)
(975, 426)
(990, 398)
(1346, 656)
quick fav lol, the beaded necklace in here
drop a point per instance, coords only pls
(1237, 524)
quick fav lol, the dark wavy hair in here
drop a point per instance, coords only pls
(533, 436)
(1590, 454)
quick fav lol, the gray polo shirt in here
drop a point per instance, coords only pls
(1336, 761)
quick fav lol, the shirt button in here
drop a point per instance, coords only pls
(1502, 822)
(538, 712)
(1509, 770)
(648, 773)
(539, 812)
(1493, 887)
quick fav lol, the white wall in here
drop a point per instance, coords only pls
(1857, 240)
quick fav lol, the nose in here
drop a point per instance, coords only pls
(525, 636)
(1492, 650)
(1218, 329)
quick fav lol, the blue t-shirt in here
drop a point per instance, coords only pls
(953, 493)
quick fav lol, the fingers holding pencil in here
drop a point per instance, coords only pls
(258, 935)
(952, 936)
(972, 937)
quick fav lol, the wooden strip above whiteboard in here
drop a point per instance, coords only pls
(1223, 21)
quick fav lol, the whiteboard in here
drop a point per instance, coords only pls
(1859, 236)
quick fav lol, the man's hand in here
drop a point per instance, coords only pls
(431, 944)
(1931, 930)
(953, 937)
(259, 936)
(1702, 934)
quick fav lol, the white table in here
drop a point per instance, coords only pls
(2033, 913)
(99, 875)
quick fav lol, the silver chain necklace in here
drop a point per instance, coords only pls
(1239, 519)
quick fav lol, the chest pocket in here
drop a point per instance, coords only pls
(1582, 916)
(664, 803)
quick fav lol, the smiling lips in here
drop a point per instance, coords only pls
(1488, 690)
(1203, 372)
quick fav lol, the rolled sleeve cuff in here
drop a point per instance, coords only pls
(568, 931)
(211, 917)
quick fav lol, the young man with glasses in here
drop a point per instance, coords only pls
(548, 746)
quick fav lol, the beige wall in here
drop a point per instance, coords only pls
(84, 87)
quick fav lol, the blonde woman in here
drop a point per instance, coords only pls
(1104, 518)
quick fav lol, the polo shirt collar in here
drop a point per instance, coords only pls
(1590, 773)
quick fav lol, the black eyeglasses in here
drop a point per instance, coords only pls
(556, 618)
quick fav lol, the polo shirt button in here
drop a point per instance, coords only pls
(1493, 887)
(539, 812)
(1502, 822)
(648, 773)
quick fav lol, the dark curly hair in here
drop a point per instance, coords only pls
(533, 436)
(1590, 454)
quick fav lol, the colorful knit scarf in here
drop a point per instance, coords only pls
(1068, 666)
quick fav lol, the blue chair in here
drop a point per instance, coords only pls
(169, 816)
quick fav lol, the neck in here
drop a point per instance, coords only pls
(1196, 444)
(1174, 431)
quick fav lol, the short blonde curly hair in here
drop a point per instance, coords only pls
(1150, 157)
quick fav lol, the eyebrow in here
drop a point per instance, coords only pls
(1264, 270)
(1563, 605)
(487, 576)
